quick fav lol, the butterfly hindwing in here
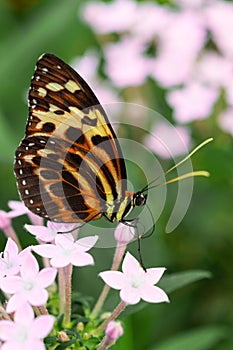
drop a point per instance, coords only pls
(69, 166)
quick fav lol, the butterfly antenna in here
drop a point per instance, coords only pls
(139, 249)
(146, 235)
(185, 176)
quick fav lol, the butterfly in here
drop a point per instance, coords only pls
(69, 166)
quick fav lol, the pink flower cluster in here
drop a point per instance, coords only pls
(25, 285)
(186, 64)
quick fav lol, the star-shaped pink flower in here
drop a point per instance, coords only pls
(11, 259)
(48, 233)
(25, 332)
(67, 251)
(30, 286)
(136, 284)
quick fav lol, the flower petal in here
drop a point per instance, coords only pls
(11, 248)
(153, 275)
(6, 329)
(65, 240)
(24, 315)
(115, 279)
(45, 250)
(46, 276)
(11, 285)
(153, 294)
(42, 326)
(86, 243)
(30, 267)
(130, 295)
(15, 302)
(60, 260)
(130, 264)
(81, 259)
(37, 296)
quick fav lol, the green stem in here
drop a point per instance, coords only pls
(68, 288)
(120, 307)
(119, 252)
(62, 294)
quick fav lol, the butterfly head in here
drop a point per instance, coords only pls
(139, 199)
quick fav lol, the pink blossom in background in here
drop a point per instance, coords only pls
(157, 17)
(134, 283)
(18, 208)
(49, 232)
(11, 259)
(30, 286)
(26, 332)
(194, 101)
(176, 51)
(213, 69)
(229, 92)
(219, 20)
(5, 220)
(125, 63)
(168, 141)
(87, 67)
(67, 251)
(116, 16)
(226, 120)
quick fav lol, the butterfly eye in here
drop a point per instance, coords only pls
(140, 199)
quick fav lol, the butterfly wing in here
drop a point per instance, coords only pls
(69, 166)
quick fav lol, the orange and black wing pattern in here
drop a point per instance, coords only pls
(69, 166)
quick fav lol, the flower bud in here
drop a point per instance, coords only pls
(124, 234)
(114, 330)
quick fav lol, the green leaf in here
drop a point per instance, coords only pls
(6, 140)
(199, 339)
(178, 280)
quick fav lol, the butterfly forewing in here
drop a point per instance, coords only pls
(69, 166)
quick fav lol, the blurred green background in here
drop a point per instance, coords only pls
(204, 239)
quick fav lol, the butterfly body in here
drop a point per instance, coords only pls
(69, 166)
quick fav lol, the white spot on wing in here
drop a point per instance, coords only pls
(54, 87)
(72, 86)
(42, 92)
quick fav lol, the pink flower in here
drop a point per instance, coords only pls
(87, 67)
(130, 68)
(135, 283)
(66, 251)
(225, 121)
(178, 47)
(18, 208)
(168, 141)
(195, 101)
(116, 16)
(11, 259)
(25, 332)
(219, 20)
(48, 234)
(213, 69)
(156, 18)
(30, 286)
